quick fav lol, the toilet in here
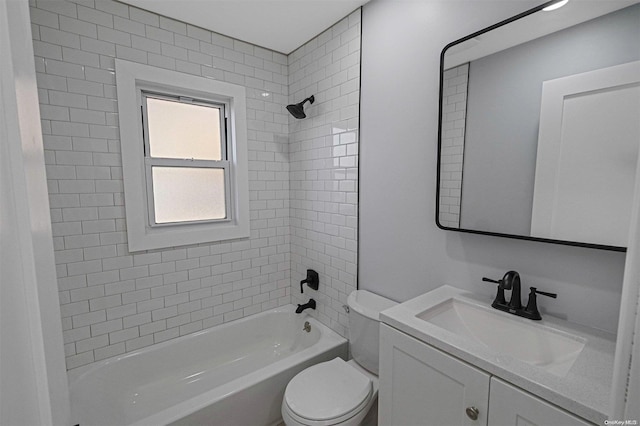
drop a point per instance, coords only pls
(338, 392)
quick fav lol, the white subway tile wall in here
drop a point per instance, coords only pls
(113, 301)
(454, 114)
(323, 153)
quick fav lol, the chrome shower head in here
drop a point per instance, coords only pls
(297, 110)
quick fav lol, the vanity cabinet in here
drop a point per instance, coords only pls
(510, 405)
(421, 385)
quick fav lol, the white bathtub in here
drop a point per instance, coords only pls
(232, 374)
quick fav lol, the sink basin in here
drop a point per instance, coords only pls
(552, 350)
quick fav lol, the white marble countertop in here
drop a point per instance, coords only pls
(583, 391)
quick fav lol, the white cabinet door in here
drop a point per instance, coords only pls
(420, 385)
(511, 406)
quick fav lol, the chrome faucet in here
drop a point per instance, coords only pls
(511, 281)
(310, 304)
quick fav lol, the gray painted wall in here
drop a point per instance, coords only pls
(505, 92)
(402, 252)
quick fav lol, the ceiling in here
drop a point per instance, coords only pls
(529, 28)
(280, 25)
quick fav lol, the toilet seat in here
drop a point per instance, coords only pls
(328, 393)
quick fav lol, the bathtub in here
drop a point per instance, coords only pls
(232, 374)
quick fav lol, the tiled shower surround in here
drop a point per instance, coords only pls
(114, 301)
(323, 153)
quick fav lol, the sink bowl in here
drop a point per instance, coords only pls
(552, 350)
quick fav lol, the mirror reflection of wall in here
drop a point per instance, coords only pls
(454, 111)
(495, 132)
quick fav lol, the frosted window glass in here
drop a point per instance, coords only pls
(182, 194)
(180, 130)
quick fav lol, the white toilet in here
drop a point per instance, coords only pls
(337, 392)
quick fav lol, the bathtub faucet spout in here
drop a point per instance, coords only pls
(310, 304)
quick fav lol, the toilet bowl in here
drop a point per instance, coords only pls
(337, 392)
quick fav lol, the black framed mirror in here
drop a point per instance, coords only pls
(538, 127)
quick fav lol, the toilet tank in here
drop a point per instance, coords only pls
(364, 327)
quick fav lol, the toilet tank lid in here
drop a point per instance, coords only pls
(369, 304)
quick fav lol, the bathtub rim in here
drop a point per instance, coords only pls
(76, 374)
(329, 339)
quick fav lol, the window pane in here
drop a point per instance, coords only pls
(182, 194)
(180, 130)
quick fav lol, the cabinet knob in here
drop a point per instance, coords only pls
(472, 413)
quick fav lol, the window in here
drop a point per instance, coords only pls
(184, 157)
(187, 172)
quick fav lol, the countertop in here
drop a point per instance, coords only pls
(583, 391)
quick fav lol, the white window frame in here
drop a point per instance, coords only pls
(133, 82)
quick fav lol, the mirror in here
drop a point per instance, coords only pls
(540, 126)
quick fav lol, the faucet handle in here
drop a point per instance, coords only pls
(312, 280)
(531, 311)
(544, 293)
(499, 300)
(511, 279)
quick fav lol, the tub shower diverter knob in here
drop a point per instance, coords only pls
(472, 413)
